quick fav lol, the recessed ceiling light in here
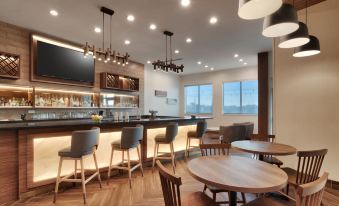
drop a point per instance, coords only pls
(130, 18)
(199, 62)
(188, 40)
(153, 27)
(212, 68)
(240, 60)
(236, 55)
(53, 12)
(148, 62)
(206, 66)
(245, 63)
(185, 3)
(127, 42)
(97, 29)
(213, 20)
(177, 51)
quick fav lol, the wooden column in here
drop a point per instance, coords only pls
(263, 92)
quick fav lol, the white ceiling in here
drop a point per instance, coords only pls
(214, 45)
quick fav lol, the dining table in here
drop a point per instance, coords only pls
(263, 148)
(237, 174)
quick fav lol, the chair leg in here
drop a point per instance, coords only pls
(129, 169)
(154, 157)
(205, 187)
(75, 171)
(287, 189)
(122, 162)
(83, 180)
(172, 157)
(186, 151)
(57, 180)
(97, 168)
(243, 198)
(110, 166)
(214, 197)
(140, 162)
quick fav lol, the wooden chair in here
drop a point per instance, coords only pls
(309, 194)
(309, 165)
(171, 183)
(269, 158)
(213, 150)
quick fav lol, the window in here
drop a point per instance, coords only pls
(199, 99)
(240, 97)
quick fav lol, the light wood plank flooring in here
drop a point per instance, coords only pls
(146, 191)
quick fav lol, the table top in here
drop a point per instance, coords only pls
(264, 148)
(238, 174)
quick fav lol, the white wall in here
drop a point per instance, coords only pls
(217, 78)
(306, 106)
(157, 80)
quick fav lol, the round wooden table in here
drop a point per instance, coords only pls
(237, 174)
(264, 148)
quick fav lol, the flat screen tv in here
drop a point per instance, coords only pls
(63, 63)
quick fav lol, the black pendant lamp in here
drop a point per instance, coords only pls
(282, 22)
(309, 49)
(295, 39)
(256, 9)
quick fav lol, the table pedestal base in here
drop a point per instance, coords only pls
(233, 198)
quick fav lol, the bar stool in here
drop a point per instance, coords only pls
(130, 139)
(84, 143)
(168, 138)
(198, 134)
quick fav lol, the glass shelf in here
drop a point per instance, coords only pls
(118, 101)
(16, 97)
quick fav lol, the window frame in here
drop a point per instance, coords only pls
(241, 106)
(198, 85)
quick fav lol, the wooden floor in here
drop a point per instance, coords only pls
(146, 191)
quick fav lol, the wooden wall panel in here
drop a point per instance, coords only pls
(263, 88)
(301, 4)
(8, 167)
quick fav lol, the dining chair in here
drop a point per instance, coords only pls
(309, 165)
(171, 183)
(232, 133)
(309, 194)
(269, 158)
(220, 150)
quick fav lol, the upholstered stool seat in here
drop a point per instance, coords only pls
(168, 138)
(192, 134)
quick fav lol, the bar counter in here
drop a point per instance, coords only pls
(31, 147)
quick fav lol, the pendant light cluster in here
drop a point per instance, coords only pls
(281, 20)
(106, 54)
(168, 65)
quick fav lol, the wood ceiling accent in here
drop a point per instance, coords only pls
(301, 4)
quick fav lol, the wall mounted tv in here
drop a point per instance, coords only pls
(63, 63)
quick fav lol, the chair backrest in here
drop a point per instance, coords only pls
(171, 131)
(201, 128)
(170, 184)
(215, 149)
(85, 141)
(142, 127)
(131, 136)
(232, 133)
(247, 130)
(309, 165)
(310, 194)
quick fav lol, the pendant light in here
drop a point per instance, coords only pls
(309, 49)
(295, 39)
(282, 22)
(256, 9)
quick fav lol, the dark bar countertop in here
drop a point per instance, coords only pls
(26, 124)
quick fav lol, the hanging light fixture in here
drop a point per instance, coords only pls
(295, 39)
(168, 65)
(256, 9)
(309, 49)
(282, 22)
(105, 54)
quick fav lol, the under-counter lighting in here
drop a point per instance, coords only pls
(185, 3)
(15, 87)
(188, 40)
(97, 29)
(152, 27)
(130, 18)
(213, 20)
(57, 43)
(53, 12)
(62, 91)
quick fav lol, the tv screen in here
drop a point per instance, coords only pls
(63, 63)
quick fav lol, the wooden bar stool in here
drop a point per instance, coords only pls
(83, 143)
(130, 139)
(168, 138)
(198, 134)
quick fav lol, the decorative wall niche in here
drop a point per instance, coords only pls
(118, 82)
(9, 66)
